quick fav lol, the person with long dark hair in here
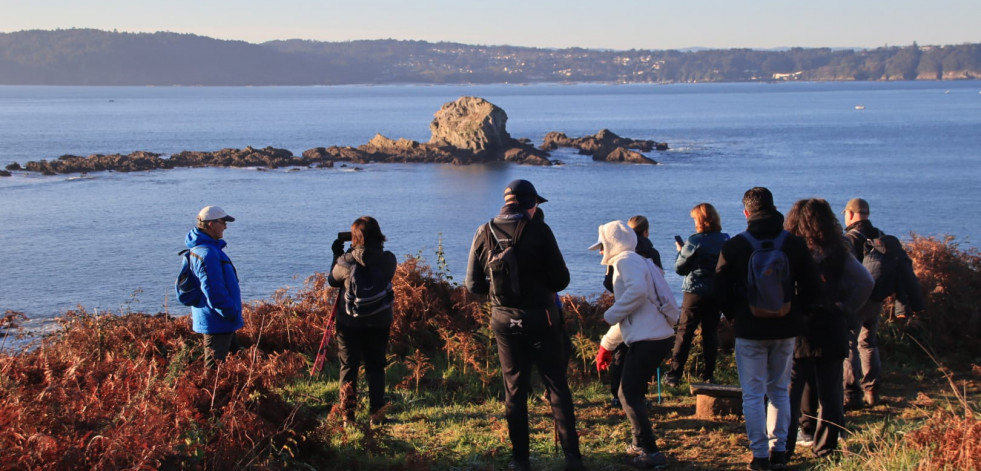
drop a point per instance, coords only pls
(696, 262)
(816, 374)
(365, 272)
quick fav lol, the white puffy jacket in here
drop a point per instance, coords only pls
(644, 307)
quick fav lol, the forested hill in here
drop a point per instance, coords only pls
(93, 57)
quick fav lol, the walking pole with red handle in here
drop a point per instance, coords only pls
(318, 363)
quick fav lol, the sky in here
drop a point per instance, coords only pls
(610, 24)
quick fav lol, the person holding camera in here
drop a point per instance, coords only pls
(696, 261)
(365, 273)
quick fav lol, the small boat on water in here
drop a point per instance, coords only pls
(859, 107)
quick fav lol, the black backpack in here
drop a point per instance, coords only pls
(367, 291)
(502, 264)
(187, 285)
(881, 257)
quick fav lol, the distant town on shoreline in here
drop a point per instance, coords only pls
(95, 57)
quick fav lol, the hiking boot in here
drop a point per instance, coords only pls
(853, 403)
(759, 464)
(671, 381)
(870, 398)
(655, 460)
(634, 450)
(778, 460)
(519, 465)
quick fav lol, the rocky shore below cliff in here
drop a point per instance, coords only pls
(466, 131)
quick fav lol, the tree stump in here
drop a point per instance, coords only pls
(715, 400)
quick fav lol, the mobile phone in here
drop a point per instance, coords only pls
(344, 236)
(679, 240)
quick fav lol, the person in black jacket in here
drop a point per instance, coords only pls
(816, 376)
(863, 368)
(526, 323)
(363, 335)
(765, 345)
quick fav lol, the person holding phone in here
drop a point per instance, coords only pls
(365, 273)
(696, 260)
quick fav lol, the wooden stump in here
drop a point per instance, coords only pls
(714, 400)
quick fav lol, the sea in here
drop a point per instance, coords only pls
(108, 242)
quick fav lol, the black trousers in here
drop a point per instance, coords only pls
(353, 345)
(816, 391)
(639, 366)
(218, 346)
(616, 369)
(696, 310)
(519, 347)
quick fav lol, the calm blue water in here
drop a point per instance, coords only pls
(110, 242)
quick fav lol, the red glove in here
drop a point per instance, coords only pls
(603, 359)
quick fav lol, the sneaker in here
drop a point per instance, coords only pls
(778, 460)
(804, 439)
(671, 381)
(759, 464)
(520, 465)
(634, 450)
(655, 460)
(870, 398)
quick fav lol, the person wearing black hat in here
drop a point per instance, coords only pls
(515, 259)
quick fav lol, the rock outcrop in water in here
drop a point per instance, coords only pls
(605, 145)
(468, 130)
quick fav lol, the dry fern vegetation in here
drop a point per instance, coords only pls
(130, 391)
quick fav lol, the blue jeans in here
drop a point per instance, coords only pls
(764, 369)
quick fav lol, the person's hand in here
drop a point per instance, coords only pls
(603, 359)
(677, 246)
(337, 247)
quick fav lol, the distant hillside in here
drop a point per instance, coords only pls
(93, 57)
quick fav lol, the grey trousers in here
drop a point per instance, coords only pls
(863, 369)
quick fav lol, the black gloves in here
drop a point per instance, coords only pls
(337, 247)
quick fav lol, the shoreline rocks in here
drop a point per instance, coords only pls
(466, 131)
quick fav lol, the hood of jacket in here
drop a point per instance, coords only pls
(617, 237)
(367, 254)
(198, 237)
(765, 224)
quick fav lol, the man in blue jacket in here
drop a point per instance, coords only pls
(219, 314)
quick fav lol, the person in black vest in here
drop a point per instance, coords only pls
(816, 375)
(526, 321)
(363, 334)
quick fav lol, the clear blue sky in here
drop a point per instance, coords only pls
(611, 24)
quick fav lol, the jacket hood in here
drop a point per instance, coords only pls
(765, 224)
(197, 237)
(617, 237)
(367, 254)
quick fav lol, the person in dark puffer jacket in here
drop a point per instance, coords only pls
(696, 261)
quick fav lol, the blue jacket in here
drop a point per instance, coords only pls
(697, 260)
(221, 311)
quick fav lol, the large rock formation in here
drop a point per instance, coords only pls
(473, 124)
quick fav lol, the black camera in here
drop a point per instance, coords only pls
(344, 236)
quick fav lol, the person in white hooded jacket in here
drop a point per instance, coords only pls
(643, 316)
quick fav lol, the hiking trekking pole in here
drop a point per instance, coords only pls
(659, 385)
(318, 363)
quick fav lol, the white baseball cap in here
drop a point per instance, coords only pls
(213, 213)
